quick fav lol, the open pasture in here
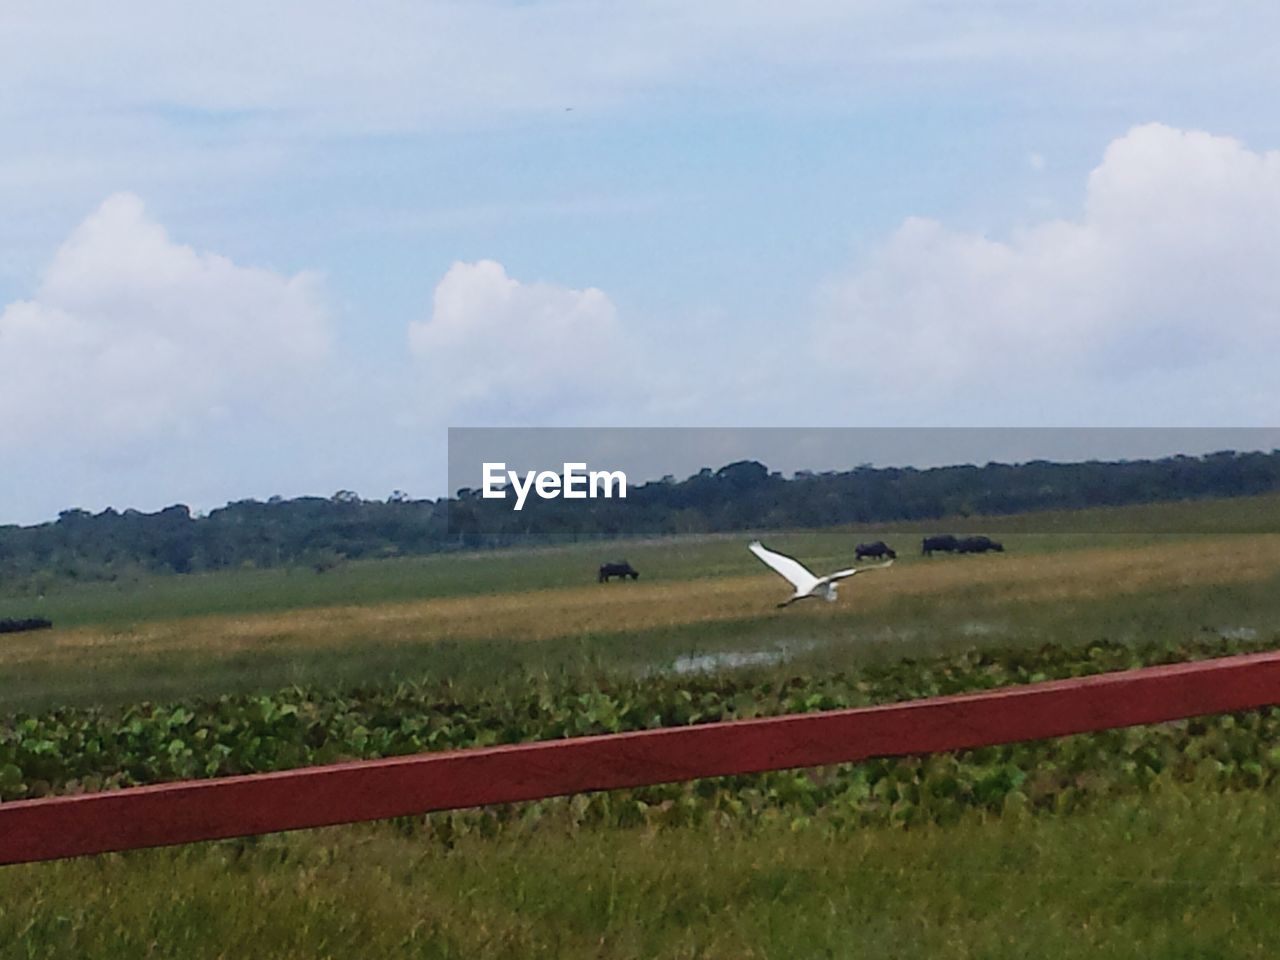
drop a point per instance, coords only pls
(135, 599)
(913, 607)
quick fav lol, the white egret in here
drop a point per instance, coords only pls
(799, 576)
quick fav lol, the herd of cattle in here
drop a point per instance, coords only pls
(946, 543)
(931, 545)
(950, 544)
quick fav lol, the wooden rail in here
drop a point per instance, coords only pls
(55, 827)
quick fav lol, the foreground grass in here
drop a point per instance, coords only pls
(1179, 873)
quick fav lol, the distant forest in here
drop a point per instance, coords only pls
(321, 532)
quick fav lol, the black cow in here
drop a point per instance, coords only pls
(879, 549)
(946, 543)
(29, 623)
(622, 570)
(979, 545)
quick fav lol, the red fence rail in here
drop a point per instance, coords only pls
(55, 827)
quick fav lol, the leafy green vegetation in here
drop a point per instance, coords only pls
(74, 750)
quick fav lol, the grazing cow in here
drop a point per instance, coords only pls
(946, 543)
(29, 623)
(879, 549)
(621, 570)
(979, 545)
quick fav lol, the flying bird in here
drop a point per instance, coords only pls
(799, 576)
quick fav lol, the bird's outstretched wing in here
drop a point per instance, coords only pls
(842, 574)
(790, 568)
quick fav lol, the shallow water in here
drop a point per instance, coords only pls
(979, 628)
(1238, 633)
(707, 662)
(780, 652)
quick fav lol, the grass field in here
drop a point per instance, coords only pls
(146, 598)
(1119, 875)
(1183, 874)
(1044, 589)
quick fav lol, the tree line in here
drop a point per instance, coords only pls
(320, 532)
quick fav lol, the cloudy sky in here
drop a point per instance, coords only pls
(255, 249)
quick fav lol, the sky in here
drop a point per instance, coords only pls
(253, 250)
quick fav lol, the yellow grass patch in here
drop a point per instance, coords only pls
(612, 608)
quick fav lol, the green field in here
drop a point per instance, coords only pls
(1182, 874)
(145, 598)
(1083, 846)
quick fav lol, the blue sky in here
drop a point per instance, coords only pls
(249, 253)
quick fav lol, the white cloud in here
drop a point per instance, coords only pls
(498, 349)
(132, 339)
(1164, 292)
